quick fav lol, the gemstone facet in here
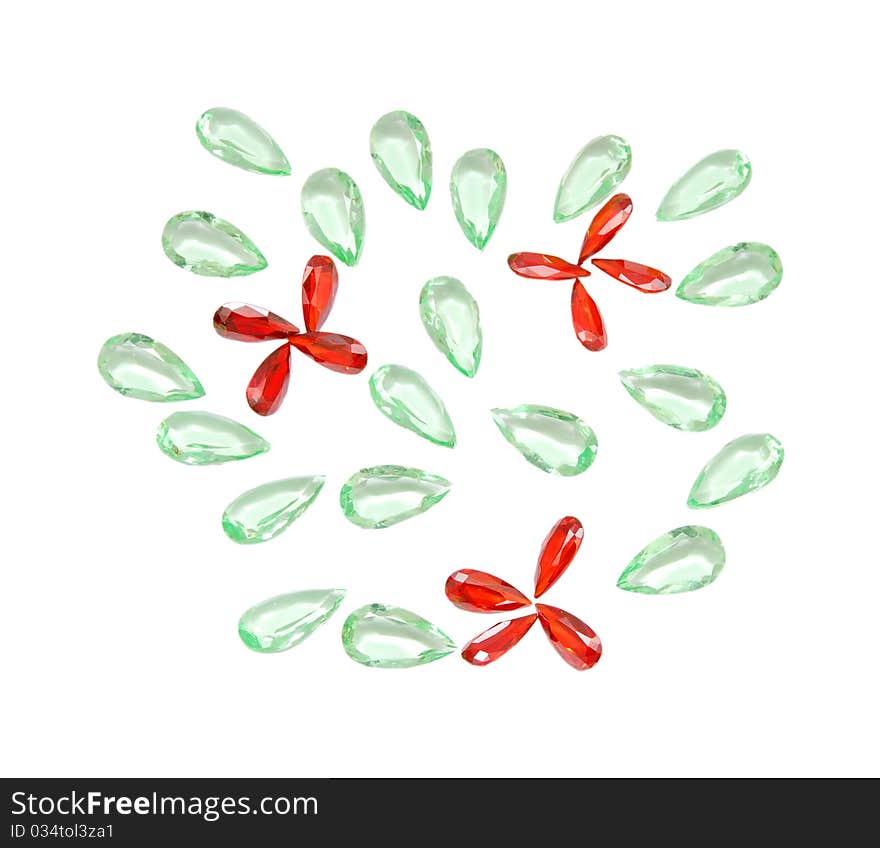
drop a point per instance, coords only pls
(387, 494)
(738, 275)
(245, 323)
(332, 350)
(452, 319)
(544, 266)
(265, 511)
(203, 438)
(559, 549)
(494, 643)
(586, 319)
(573, 639)
(683, 398)
(479, 187)
(401, 150)
(268, 387)
(605, 225)
(209, 246)
(478, 591)
(282, 622)
(599, 167)
(711, 183)
(635, 274)
(235, 138)
(319, 285)
(333, 210)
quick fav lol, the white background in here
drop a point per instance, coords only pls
(121, 594)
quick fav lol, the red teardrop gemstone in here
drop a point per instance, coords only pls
(542, 266)
(333, 351)
(638, 276)
(497, 640)
(574, 641)
(246, 323)
(557, 552)
(608, 220)
(588, 324)
(320, 281)
(477, 591)
(268, 386)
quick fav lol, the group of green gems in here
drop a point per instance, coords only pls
(555, 441)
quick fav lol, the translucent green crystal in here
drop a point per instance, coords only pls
(683, 398)
(744, 465)
(392, 637)
(212, 247)
(738, 275)
(682, 560)
(262, 513)
(401, 149)
(235, 138)
(556, 441)
(600, 166)
(479, 186)
(334, 213)
(140, 367)
(405, 397)
(452, 318)
(387, 494)
(711, 183)
(282, 622)
(203, 438)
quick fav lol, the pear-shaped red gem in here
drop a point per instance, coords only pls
(246, 323)
(557, 552)
(543, 266)
(333, 351)
(588, 324)
(320, 281)
(604, 226)
(478, 591)
(573, 640)
(634, 274)
(268, 386)
(495, 642)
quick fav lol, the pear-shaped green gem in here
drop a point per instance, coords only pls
(262, 513)
(282, 622)
(683, 398)
(212, 247)
(738, 275)
(235, 138)
(479, 186)
(600, 166)
(744, 465)
(452, 318)
(333, 210)
(140, 367)
(387, 494)
(203, 438)
(558, 442)
(681, 560)
(405, 397)
(392, 637)
(401, 149)
(711, 183)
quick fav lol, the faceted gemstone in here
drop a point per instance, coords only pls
(235, 138)
(744, 465)
(319, 284)
(494, 643)
(711, 183)
(479, 186)
(203, 438)
(681, 560)
(638, 276)
(557, 552)
(262, 513)
(284, 621)
(387, 494)
(401, 149)
(573, 640)
(403, 396)
(246, 323)
(268, 386)
(556, 441)
(543, 266)
(738, 275)
(585, 317)
(683, 398)
(605, 225)
(212, 247)
(334, 213)
(477, 591)
(333, 351)
(596, 171)
(392, 637)
(140, 367)
(452, 318)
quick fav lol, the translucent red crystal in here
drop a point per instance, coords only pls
(246, 323)
(638, 276)
(333, 351)
(268, 386)
(588, 324)
(320, 281)
(605, 225)
(478, 591)
(557, 552)
(543, 266)
(495, 642)
(573, 640)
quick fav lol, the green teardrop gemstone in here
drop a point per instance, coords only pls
(738, 275)
(387, 494)
(203, 438)
(140, 367)
(334, 213)
(282, 622)
(209, 246)
(392, 637)
(235, 138)
(744, 465)
(682, 560)
(478, 186)
(711, 183)
(262, 513)
(683, 398)
(452, 318)
(403, 396)
(557, 442)
(600, 166)
(401, 149)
